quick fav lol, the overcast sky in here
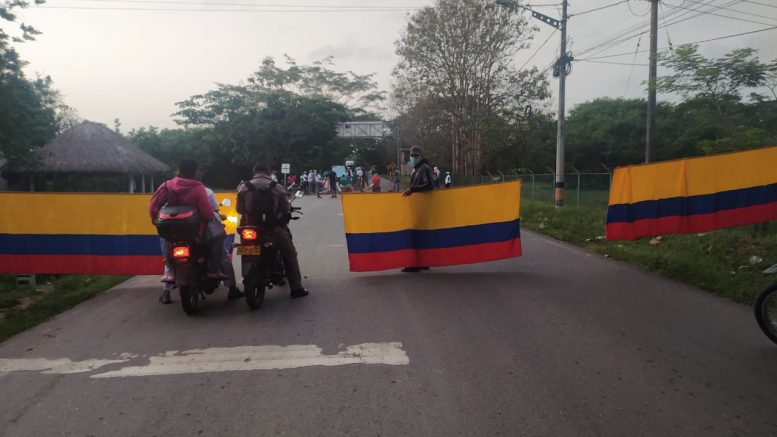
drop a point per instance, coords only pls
(135, 64)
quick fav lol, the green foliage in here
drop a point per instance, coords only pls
(31, 111)
(280, 115)
(719, 262)
(66, 292)
(457, 89)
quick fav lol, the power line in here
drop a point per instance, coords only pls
(759, 3)
(612, 63)
(599, 9)
(112, 8)
(538, 49)
(169, 2)
(670, 18)
(628, 79)
(692, 42)
(729, 16)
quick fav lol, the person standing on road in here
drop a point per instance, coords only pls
(318, 184)
(333, 183)
(448, 180)
(375, 183)
(395, 178)
(436, 177)
(420, 181)
(277, 232)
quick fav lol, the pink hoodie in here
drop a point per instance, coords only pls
(180, 191)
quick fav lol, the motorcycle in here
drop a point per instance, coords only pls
(261, 260)
(190, 255)
(766, 307)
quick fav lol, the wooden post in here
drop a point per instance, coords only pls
(143, 183)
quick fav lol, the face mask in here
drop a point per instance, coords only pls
(414, 160)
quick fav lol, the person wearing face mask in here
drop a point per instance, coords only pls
(421, 179)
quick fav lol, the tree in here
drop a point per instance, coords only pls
(281, 115)
(721, 80)
(31, 111)
(456, 65)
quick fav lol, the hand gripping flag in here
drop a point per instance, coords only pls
(58, 233)
(693, 195)
(437, 228)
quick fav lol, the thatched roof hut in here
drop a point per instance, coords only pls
(92, 149)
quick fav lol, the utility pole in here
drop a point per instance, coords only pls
(650, 132)
(561, 67)
(560, 71)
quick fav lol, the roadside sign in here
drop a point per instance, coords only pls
(349, 163)
(285, 168)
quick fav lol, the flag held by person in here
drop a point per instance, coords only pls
(436, 228)
(693, 195)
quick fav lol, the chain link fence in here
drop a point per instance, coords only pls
(582, 189)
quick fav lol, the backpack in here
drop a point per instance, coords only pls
(177, 222)
(263, 208)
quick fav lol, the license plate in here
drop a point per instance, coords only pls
(249, 250)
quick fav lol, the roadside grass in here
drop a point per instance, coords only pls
(25, 307)
(726, 262)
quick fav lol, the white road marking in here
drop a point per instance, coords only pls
(337, 245)
(221, 359)
(55, 366)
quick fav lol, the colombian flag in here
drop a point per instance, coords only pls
(693, 195)
(436, 228)
(108, 234)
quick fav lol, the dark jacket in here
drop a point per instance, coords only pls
(421, 179)
(244, 201)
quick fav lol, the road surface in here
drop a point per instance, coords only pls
(558, 342)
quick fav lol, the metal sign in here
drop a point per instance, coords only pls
(349, 163)
(285, 168)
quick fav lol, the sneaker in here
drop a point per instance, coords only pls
(302, 292)
(234, 293)
(411, 270)
(169, 275)
(165, 297)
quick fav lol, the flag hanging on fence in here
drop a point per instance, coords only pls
(438, 228)
(693, 195)
(60, 233)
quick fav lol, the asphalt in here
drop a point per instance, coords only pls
(558, 342)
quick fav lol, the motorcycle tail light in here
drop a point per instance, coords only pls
(249, 234)
(181, 252)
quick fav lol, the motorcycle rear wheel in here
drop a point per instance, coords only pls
(766, 311)
(190, 294)
(254, 285)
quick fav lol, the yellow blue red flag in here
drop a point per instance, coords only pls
(437, 228)
(693, 195)
(60, 233)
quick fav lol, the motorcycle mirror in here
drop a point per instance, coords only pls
(226, 202)
(299, 194)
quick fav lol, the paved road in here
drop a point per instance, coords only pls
(559, 342)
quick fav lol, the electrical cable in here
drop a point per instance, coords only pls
(538, 49)
(598, 9)
(692, 42)
(205, 3)
(217, 10)
(672, 15)
(759, 3)
(628, 79)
